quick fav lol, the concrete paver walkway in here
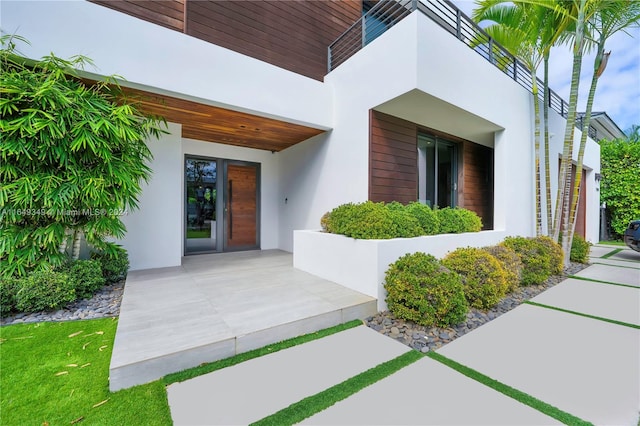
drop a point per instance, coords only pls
(428, 392)
(585, 366)
(257, 388)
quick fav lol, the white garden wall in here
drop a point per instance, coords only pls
(361, 264)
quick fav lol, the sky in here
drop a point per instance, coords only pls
(618, 90)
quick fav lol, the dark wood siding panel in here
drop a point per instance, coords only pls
(393, 159)
(290, 34)
(168, 13)
(476, 191)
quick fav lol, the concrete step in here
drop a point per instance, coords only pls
(216, 306)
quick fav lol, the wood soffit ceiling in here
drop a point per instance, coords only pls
(214, 124)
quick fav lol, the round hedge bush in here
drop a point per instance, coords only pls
(371, 220)
(45, 290)
(427, 218)
(87, 276)
(534, 256)
(421, 290)
(510, 262)
(114, 266)
(9, 287)
(556, 255)
(580, 249)
(457, 220)
(483, 277)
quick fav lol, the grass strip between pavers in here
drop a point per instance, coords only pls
(541, 305)
(190, 373)
(507, 390)
(313, 404)
(611, 253)
(602, 282)
(612, 243)
(618, 266)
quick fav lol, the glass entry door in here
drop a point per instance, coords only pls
(201, 178)
(222, 208)
(438, 168)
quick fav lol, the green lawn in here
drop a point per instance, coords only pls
(195, 233)
(613, 243)
(58, 373)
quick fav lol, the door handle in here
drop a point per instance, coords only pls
(230, 206)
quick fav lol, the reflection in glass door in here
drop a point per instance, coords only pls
(201, 178)
(438, 171)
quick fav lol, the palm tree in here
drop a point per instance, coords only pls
(527, 31)
(609, 19)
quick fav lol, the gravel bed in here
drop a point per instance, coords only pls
(105, 303)
(426, 339)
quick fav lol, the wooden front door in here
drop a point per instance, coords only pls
(241, 211)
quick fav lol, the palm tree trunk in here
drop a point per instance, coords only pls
(62, 248)
(564, 186)
(586, 121)
(547, 174)
(536, 144)
(77, 237)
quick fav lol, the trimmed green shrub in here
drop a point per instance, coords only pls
(421, 290)
(395, 206)
(471, 222)
(427, 218)
(580, 249)
(556, 255)
(371, 220)
(45, 290)
(9, 287)
(483, 277)
(620, 159)
(510, 262)
(87, 276)
(449, 221)
(114, 267)
(535, 257)
(457, 220)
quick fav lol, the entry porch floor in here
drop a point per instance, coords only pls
(217, 305)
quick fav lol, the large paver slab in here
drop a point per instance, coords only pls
(259, 387)
(599, 251)
(614, 262)
(586, 367)
(613, 274)
(598, 299)
(429, 393)
(627, 255)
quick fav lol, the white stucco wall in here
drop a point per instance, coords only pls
(154, 232)
(152, 57)
(397, 74)
(416, 71)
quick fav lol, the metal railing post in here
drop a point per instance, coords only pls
(491, 50)
(458, 24)
(364, 30)
(328, 59)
